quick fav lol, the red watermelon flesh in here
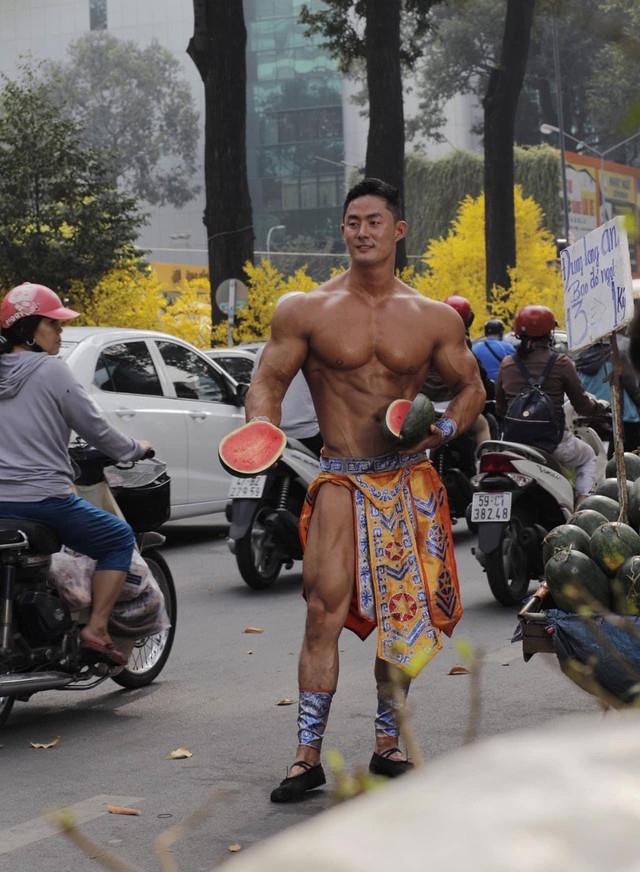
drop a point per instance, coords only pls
(252, 448)
(394, 418)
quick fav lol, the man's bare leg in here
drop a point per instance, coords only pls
(328, 573)
(387, 727)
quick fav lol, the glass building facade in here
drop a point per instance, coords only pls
(295, 136)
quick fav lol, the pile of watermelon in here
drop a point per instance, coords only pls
(594, 557)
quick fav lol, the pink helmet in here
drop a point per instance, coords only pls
(29, 299)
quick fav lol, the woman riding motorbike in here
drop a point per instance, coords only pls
(534, 326)
(40, 404)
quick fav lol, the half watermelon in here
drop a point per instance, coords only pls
(251, 449)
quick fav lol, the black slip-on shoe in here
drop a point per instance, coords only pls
(380, 764)
(293, 789)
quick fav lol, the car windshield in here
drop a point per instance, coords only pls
(65, 347)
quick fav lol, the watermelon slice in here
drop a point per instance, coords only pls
(251, 449)
(406, 423)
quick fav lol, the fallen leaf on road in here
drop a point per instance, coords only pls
(178, 754)
(50, 744)
(459, 670)
(253, 630)
(234, 848)
(284, 701)
(121, 809)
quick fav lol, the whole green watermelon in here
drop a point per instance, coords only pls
(588, 520)
(625, 588)
(564, 536)
(612, 544)
(573, 577)
(631, 466)
(609, 488)
(605, 505)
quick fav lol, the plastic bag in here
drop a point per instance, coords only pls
(140, 609)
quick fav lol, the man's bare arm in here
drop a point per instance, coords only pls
(458, 367)
(282, 357)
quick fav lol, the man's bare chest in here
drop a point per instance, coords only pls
(396, 346)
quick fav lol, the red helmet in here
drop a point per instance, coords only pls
(534, 321)
(462, 307)
(28, 299)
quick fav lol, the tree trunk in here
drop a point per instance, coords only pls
(385, 142)
(500, 104)
(217, 48)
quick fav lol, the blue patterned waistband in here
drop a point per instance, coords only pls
(358, 465)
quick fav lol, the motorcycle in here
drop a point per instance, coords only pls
(39, 634)
(520, 494)
(263, 516)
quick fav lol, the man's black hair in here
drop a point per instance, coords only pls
(371, 187)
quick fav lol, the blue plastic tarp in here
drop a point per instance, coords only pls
(613, 650)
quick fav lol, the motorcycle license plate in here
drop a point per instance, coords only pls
(247, 488)
(491, 507)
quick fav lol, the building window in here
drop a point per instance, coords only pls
(98, 14)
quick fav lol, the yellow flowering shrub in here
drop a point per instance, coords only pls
(456, 264)
(189, 315)
(265, 284)
(124, 297)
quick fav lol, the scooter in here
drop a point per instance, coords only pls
(520, 494)
(40, 634)
(263, 516)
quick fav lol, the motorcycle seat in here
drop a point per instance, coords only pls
(41, 539)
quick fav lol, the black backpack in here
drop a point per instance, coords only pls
(531, 416)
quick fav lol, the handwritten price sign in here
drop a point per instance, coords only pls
(596, 274)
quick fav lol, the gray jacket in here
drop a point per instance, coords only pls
(40, 404)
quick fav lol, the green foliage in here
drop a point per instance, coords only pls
(613, 90)
(342, 24)
(60, 218)
(456, 264)
(132, 101)
(463, 45)
(438, 187)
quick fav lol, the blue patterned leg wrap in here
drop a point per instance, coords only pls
(386, 723)
(313, 714)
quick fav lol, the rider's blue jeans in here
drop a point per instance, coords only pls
(81, 526)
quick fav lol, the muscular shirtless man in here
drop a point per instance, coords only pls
(377, 535)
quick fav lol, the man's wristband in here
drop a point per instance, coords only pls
(448, 429)
(260, 418)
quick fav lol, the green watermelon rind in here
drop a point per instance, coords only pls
(588, 520)
(625, 587)
(631, 466)
(252, 449)
(415, 425)
(605, 505)
(612, 544)
(572, 569)
(565, 536)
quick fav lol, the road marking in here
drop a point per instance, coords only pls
(39, 828)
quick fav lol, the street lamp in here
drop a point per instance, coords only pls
(271, 229)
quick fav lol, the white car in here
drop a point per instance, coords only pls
(154, 386)
(236, 361)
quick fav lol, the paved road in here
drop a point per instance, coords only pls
(217, 697)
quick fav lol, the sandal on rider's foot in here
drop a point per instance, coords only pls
(380, 764)
(293, 789)
(104, 652)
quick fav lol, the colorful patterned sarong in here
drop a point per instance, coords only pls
(406, 578)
